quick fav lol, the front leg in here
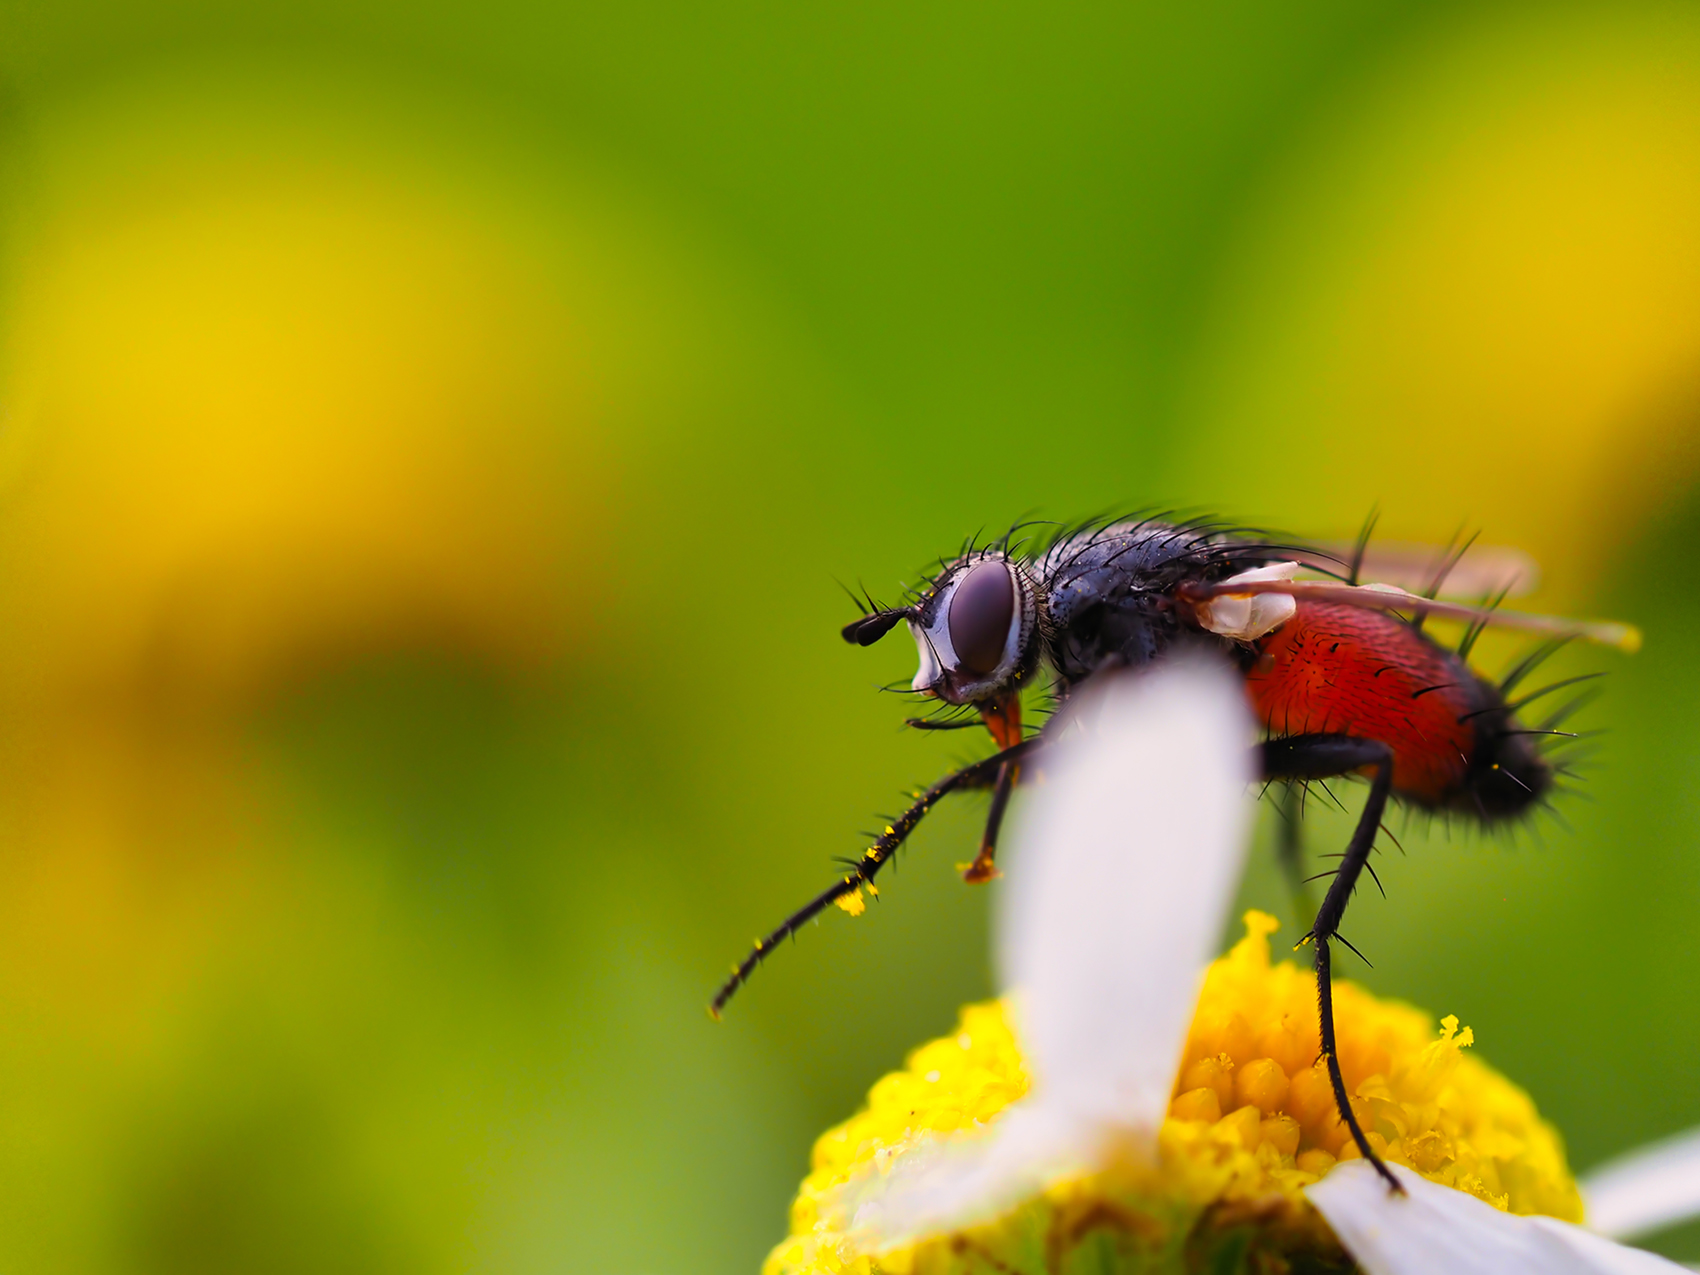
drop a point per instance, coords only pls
(978, 775)
(1322, 757)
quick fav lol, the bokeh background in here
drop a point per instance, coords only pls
(431, 435)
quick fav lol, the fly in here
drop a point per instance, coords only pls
(1342, 676)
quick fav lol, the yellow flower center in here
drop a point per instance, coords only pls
(1252, 1122)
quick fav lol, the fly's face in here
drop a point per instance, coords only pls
(976, 627)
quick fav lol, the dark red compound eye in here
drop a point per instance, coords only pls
(980, 612)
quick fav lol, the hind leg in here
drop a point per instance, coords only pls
(1319, 757)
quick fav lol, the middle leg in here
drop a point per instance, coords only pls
(1003, 719)
(984, 867)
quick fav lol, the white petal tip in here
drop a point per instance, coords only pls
(1435, 1228)
(1649, 1189)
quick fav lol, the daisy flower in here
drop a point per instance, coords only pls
(1131, 1106)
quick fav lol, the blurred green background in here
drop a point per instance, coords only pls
(429, 438)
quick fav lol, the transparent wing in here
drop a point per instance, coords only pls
(1380, 597)
(1479, 571)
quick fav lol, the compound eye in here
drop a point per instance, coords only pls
(981, 609)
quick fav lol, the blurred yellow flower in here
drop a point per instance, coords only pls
(267, 403)
(280, 394)
(1474, 293)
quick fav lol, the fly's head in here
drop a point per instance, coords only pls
(976, 626)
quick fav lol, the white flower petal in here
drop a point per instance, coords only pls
(1435, 1228)
(1651, 1188)
(1125, 862)
(957, 1183)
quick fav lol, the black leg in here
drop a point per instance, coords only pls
(1318, 757)
(979, 775)
(1289, 848)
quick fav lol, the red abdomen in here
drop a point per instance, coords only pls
(1345, 670)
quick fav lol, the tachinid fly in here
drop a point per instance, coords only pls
(1342, 676)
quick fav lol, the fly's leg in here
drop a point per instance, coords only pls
(983, 868)
(979, 775)
(1003, 719)
(1320, 757)
(1289, 848)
